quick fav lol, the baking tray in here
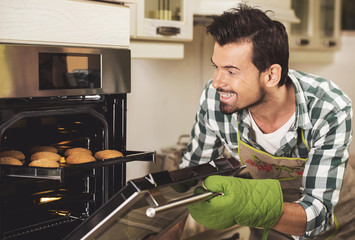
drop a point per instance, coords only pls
(59, 173)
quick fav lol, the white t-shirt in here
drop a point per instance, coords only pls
(271, 142)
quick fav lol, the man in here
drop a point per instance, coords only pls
(291, 129)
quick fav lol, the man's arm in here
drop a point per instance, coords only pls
(293, 220)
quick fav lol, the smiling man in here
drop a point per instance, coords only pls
(291, 129)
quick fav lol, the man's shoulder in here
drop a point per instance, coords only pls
(318, 89)
(310, 81)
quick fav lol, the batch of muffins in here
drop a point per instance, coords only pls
(47, 156)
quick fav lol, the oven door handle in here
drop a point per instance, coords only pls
(152, 211)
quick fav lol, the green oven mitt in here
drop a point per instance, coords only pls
(247, 202)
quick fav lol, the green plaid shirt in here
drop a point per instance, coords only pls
(323, 113)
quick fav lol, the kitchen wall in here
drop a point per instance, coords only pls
(164, 99)
(165, 94)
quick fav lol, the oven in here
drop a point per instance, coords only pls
(63, 98)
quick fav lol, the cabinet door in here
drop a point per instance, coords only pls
(329, 23)
(162, 20)
(301, 33)
(64, 22)
(319, 27)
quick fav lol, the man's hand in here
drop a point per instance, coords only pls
(247, 202)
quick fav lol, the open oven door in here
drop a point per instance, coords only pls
(149, 206)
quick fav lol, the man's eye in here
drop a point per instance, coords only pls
(231, 73)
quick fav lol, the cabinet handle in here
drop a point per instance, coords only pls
(330, 43)
(302, 42)
(168, 31)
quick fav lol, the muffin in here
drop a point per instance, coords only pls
(106, 154)
(47, 163)
(45, 155)
(14, 154)
(43, 149)
(78, 158)
(77, 150)
(10, 161)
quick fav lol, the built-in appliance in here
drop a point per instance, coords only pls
(62, 97)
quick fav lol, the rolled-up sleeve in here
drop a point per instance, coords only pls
(324, 171)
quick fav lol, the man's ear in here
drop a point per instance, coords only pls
(273, 75)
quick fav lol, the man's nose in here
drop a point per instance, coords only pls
(219, 79)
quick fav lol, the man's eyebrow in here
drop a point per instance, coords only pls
(212, 62)
(228, 66)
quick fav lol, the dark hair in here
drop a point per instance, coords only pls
(269, 38)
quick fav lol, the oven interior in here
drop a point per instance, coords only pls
(62, 131)
(35, 202)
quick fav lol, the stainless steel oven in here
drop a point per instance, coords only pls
(65, 98)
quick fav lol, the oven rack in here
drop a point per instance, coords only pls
(65, 169)
(38, 227)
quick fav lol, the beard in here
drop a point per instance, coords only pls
(233, 108)
(228, 108)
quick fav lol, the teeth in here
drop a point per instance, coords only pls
(227, 95)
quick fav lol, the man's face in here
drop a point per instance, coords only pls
(236, 78)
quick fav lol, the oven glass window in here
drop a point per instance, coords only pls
(131, 221)
(69, 71)
(59, 131)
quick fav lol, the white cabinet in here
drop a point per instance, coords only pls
(281, 9)
(319, 28)
(162, 20)
(65, 22)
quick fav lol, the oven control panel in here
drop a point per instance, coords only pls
(46, 71)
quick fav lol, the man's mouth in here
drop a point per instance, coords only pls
(226, 95)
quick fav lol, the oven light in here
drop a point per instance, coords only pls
(48, 199)
(60, 213)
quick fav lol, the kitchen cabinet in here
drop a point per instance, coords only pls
(159, 28)
(319, 28)
(281, 9)
(65, 22)
(162, 20)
